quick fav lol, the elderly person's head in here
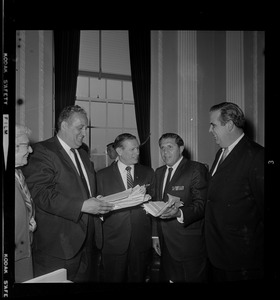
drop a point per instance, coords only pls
(22, 145)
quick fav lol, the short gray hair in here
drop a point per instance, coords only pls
(22, 130)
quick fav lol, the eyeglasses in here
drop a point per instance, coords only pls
(26, 145)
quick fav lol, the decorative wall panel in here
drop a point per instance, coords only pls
(187, 90)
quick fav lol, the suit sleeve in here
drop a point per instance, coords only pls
(53, 186)
(194, 211)
(256, 179)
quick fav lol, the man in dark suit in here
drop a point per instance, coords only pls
(126, 251)
(61, 179)
(178, 235)
(234, 217)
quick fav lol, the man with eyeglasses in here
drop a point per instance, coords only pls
(25, 223)
(234, 216)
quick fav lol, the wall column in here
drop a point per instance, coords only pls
(235, 68)
(187, 90)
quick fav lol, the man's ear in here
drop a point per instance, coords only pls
(64, 125)
(230, 125)
(119, 151)
(182, 149)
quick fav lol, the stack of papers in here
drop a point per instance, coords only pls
(128, 198)
(157, 208)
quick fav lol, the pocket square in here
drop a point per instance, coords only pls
(178, 188)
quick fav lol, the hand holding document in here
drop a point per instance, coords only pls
(128, 198)
(157, 208)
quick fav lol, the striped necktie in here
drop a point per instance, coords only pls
(129, 177)
(27, 198)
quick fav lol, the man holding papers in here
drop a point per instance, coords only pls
(127, 231)
(178, 232)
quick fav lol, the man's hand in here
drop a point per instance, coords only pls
(171, 212)
(156, 245)
(96, 206)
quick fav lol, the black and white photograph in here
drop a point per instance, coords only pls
(113, 122)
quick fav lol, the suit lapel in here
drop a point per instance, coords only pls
(68, 160)
(161, 178)
(91, 176)
(233, 155)
(118, 176)
(137, 176)
(215, 161)
(178, 171)
(64, 155)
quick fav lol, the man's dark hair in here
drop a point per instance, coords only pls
(123, 137)
(67, 113)
(230, 111)
(178, 140)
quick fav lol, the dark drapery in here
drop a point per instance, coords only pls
(66, 62)
(140, 60)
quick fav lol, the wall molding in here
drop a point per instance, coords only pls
(160, 91)
(41, 87)
(187, 91)
(235, 68)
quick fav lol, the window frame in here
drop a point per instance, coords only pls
(105, 76)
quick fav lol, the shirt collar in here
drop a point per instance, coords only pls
(235, 142)
(174, 167)
(122, 166)
(64, 145)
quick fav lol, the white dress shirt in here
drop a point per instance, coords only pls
(230, 147)
(123, 172)
(174, 167)
(71, 155)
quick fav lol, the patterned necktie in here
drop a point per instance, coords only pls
(165, 197)
(27, 198)
(129, 177)
(81, 172)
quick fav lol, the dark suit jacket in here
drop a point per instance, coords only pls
(120, 226)
(234, 210)
(58, 194)
(189, 183)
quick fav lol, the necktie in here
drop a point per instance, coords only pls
(81, 172)
(221, 159)
(27, 198)
(165, 197)
(129, 177)
(224, 155)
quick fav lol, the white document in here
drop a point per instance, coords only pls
(157, 208)
(128, 198)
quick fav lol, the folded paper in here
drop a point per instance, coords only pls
(128, 198)
(157, 208)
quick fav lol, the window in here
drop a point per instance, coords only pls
(104, 90)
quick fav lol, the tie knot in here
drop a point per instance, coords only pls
(170, 170)
(73, 150)
(225, 151)
(128, 168)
